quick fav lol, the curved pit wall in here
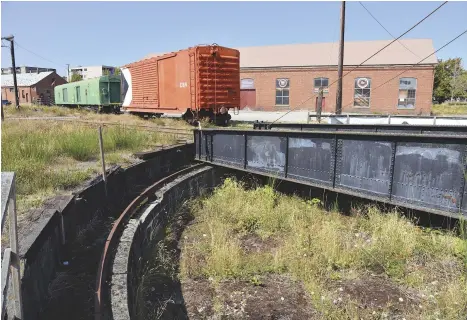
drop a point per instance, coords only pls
(46, 245)
(144, 230)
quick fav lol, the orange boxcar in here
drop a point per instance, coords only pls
(202, 81)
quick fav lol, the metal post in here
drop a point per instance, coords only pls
(389, 119)
(13, 64)
(68, 71)
(348, 119)
(15, 265)
(319, 107)
(101, 146)
(341, 62)
(434, 120)
(308, 116)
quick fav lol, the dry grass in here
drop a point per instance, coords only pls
(326, 249)
(53, 156)
(448, 109)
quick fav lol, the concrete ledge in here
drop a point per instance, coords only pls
(56, 225)
(145, 229)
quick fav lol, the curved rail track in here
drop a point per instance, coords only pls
(114, 235)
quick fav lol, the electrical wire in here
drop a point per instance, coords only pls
(374, 18)
(20, 46)
(373, 55)
(386, 82)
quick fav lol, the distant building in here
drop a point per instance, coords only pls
(33, 88)
(92, 71)
(288, 77)
(26, 69)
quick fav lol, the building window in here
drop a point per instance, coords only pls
(362, 92)
(65, 95)
(78, 94)
(12, 89)
(22, 93)
(282, 92)
(407, 90)
(321, 83)
(247, 84)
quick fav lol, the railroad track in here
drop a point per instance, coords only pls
(175, 131)
(113, 238)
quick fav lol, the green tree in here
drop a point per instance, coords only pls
(459, 85)
(76, 77)
(117, 71)
(444, 73)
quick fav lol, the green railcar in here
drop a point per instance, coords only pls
(102, 94)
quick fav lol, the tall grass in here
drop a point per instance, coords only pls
(449, 109)
(320, 247)
(46, 155)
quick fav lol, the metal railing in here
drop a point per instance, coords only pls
(389, 119)
(11, 261)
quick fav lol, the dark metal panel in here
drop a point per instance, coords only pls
(229, 149)
(312, 159)
(266, 154)
(464, 197)
(197, 144)
(364, 166)
(206, 146)
(429, 175)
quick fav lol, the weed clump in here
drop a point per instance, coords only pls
(421, 270)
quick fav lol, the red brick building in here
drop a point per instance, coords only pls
(32, 87)
(285, 77)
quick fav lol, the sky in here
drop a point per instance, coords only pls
(52, 34)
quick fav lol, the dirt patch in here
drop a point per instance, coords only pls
(376, 292)
(199, 297)
(253, 243)
(273, 297)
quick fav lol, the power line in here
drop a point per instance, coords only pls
(386, 29)
(16, 42)
(460, 35)
(377, 52)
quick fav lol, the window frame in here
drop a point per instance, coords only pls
(316, 89)
(405, 107)
(282, 90)
(358, 88)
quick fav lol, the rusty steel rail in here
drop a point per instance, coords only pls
(113, 237)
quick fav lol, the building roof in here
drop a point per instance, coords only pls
(326, 54)
(24, 79)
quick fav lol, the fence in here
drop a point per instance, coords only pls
(10, 261)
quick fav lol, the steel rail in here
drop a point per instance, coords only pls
(440, 129)
(113, 236)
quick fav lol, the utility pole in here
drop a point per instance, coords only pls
(341, 62)
(12, 49)
(68, 72)
(319, 107)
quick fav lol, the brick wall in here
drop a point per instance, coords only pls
(28, 94)
(8, 93)
(383, 100)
